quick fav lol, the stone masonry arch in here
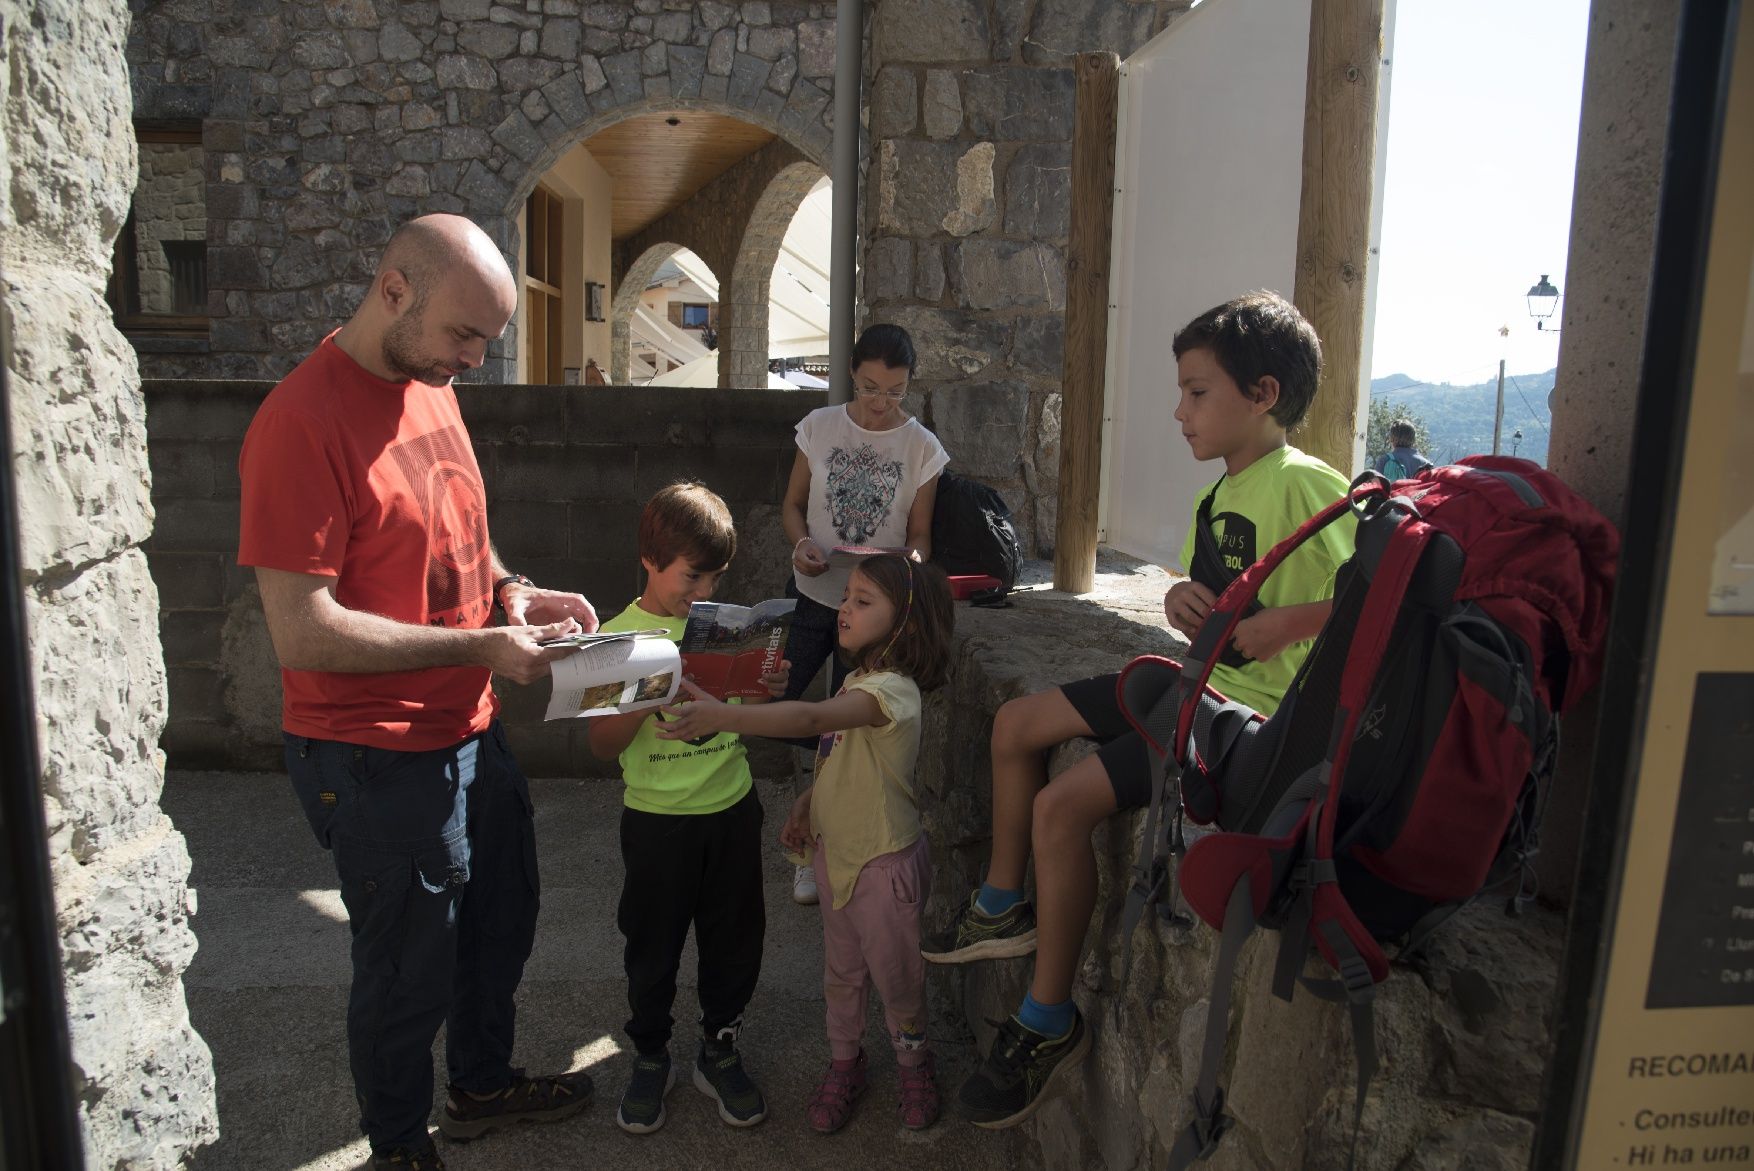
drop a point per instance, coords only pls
(627, 290)
(327, 125)
(743, 344)
(800, 134)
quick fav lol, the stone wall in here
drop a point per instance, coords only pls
(168, 205)
(143, 1078)
(327, 124)
(567, 470)
(966, 216)
(735, 224)
(1462, 1036)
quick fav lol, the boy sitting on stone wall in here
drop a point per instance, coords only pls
(1247, 371)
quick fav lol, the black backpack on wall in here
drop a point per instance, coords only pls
(972, 532)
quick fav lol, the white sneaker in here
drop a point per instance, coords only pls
(804, 886)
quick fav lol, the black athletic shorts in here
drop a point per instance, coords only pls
(1123, 752)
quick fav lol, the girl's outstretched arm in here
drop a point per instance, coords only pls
(703, 715)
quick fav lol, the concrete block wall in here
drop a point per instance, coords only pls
(567, 470)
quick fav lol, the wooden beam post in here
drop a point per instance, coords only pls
(1333, 225)
(1088, 250)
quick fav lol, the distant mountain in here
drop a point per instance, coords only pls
(1459, 418)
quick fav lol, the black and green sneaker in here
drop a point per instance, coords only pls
(1021, 1067)
(975, 935)
(719, 1074)
(642, 1105)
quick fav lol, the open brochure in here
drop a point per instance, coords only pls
(842, 559)
(613, 673)
(727, 649)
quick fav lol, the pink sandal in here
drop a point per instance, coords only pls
(920, 1102)
(831, 1105)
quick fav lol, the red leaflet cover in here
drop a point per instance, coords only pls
(727, 649)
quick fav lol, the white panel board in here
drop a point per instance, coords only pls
(1209, 173)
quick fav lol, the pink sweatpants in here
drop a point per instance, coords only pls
(875, 939)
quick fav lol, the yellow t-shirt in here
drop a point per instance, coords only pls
(863, 805)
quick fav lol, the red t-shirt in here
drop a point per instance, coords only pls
(373, 483)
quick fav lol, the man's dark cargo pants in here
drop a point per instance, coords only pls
(436, 852)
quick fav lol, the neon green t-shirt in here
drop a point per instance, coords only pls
(1255, 510)
(678, 776)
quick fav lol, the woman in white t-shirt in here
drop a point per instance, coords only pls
(866, 473)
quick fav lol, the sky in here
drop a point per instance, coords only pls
(1482, 143)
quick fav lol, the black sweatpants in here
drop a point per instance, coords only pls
(703, 869)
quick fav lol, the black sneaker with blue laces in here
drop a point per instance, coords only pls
(1020, 1069)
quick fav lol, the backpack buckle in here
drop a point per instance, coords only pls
(1209, 1124)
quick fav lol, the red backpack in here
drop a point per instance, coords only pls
(1403, 773)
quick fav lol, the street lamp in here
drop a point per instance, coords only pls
(1543, 299)
(1516, 440)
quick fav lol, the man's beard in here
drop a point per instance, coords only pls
(402, 355)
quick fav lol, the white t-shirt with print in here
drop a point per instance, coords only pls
(862, 483)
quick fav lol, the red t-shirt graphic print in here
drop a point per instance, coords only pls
(442, 474)
(375, 484)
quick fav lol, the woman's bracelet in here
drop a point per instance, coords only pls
(798, 546)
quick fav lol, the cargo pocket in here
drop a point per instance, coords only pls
(444, 868)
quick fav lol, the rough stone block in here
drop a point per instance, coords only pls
(1018, 103)
(1010, 24)
(1038, 346)
(929, 30)
(494, 42)
(748, 76)
(925, 188)
(953, 345)
(984, 427)
(235, 268)
(1005, 274)
(456, 71)
(816, 48)
(895, 106)
(687, 69)
(1038, 193)
(929, 271)
(943, 104)
(888, 269)
(623, 71)
(1061, 29)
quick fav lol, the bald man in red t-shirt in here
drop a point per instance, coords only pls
(365, 519)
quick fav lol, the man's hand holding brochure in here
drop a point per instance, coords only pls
(726, 650)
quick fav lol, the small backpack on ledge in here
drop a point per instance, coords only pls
(972, 534)
(1403, 774)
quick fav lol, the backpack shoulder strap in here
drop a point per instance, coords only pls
(1233, 604)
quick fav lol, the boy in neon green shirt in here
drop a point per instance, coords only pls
(690, 837)
(1247, 372)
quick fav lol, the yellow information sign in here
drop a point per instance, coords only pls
(1670, 1082)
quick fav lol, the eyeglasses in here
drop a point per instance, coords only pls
(893, 396)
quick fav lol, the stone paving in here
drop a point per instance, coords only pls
(268, 991)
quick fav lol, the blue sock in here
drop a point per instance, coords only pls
(996, 901)
(1050, 1020)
